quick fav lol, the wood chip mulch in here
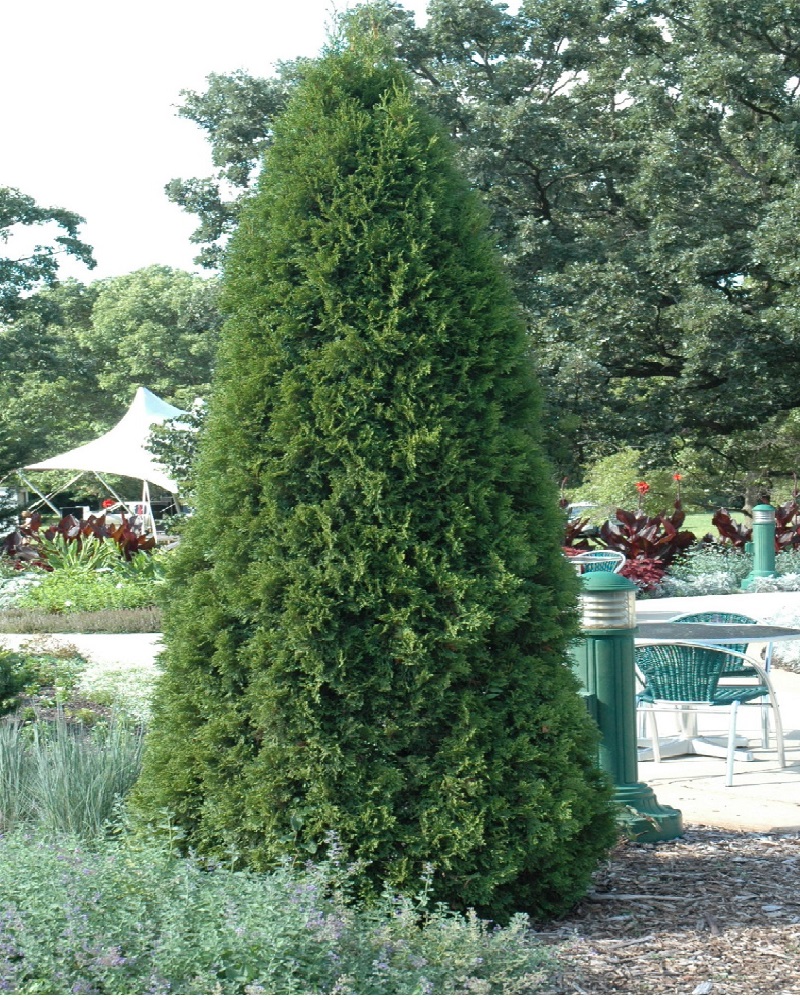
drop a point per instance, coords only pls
(713, 912)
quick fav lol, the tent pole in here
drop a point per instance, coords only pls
(148, 506)
(39, 492)
(112, 491)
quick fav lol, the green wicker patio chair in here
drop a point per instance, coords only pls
(728, 618)
(685, 677)
(735, 666)
(604, 560)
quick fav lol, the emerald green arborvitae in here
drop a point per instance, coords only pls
(370, 616)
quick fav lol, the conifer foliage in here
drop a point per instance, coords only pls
(371, 613)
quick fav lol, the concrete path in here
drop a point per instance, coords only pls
(136, 649)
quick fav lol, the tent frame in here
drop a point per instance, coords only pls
(133, 508)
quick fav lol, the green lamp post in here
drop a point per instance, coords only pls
(762, 545)
(604, 663)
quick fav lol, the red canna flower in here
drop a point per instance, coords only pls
(642, 487)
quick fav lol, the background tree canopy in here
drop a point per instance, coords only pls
(75, 354)
(640, 161)
(20, 274)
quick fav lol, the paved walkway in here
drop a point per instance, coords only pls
(136, 649)
(763, 797)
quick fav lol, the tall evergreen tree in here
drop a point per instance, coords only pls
(371, 613)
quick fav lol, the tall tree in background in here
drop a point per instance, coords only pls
(371, 612)
(156, 327)
(236, 112)
(38, 265)
(49, 398)
(641, 163)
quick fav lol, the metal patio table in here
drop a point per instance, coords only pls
(707, 634)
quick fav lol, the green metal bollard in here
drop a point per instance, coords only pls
(763, 544)
(605, 666)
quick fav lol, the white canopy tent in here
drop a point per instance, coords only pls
(122, 451)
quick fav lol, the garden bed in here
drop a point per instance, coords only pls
(118, 620)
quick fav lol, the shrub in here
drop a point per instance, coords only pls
(788, 561)
(706, 568)
(371, 613)
(611, 482)
(649, 544)
(15, 673)
(73, 542)
(787, 527)
(777, 584)
(645, 572)
(131, 918)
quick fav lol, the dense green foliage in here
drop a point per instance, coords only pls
(371, 612)
(641, 163)
(128, 917)
(611, 482)
(15, 673)
(79, 588)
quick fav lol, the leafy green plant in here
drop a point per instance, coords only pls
(611, 482)
(129, 917)
(646, 572)
(738, 534)
(639, 536)
(74, 543)
(704, 558)
(15, 675)
(60, 552)
(79, 588)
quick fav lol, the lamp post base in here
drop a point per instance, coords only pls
(643, 818)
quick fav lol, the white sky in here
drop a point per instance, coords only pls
(89, 94)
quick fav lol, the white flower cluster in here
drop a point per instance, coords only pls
(125, 688)
(720, 582)
(12, 587)
(776, 584)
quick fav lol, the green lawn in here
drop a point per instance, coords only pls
(700, 524)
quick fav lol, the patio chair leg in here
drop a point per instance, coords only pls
(654, 732)
(731, 744)
(778, 723)
(779, 735)
(764, 724)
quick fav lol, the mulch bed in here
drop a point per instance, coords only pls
(713, 912)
